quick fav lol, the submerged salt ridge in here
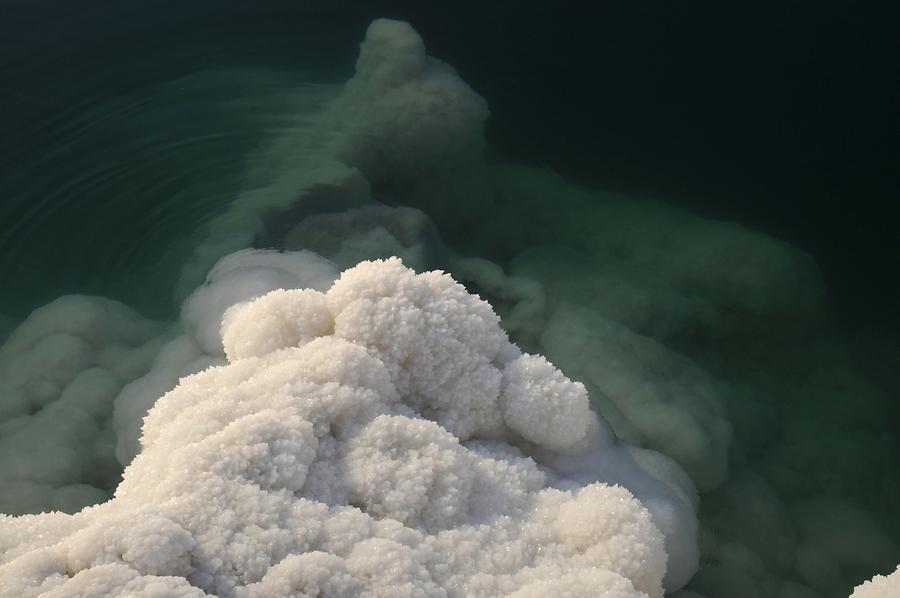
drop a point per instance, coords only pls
(701, 340)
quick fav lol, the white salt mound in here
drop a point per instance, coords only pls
(382, 438)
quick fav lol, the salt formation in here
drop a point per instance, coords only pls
(196, 344)
(60, 371)
(79, 374)
(403, 120)
(383, 438)
(700, 340)
(375, 230)
(880, 586)
(645, 389)
(668, 317)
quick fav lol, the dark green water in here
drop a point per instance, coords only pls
(127, 129)
(123, 132)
